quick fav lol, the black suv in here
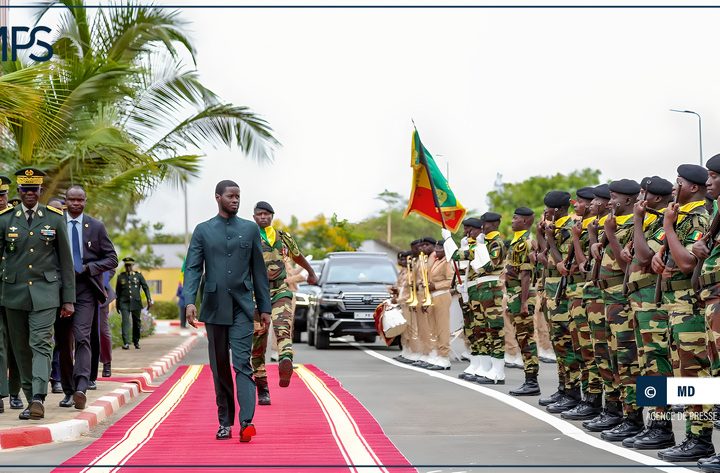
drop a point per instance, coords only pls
(352, 285)
(307, 298)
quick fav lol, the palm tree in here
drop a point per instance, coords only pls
(117, 109)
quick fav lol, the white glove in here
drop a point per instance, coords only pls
(464, 245)
(450, 248)
(482, 256)
(446, 233)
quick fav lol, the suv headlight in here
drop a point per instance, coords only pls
(301, 299)
(330, 299)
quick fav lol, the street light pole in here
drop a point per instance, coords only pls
(699, 128)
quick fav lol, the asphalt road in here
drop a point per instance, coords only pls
(439, 423)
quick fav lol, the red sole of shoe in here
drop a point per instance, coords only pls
(285, 369)
(248, 433)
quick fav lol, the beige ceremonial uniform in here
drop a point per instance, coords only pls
(441, 275)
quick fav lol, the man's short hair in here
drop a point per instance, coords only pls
(222, 185)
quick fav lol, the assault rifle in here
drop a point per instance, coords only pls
(666, 256)
(709, 240)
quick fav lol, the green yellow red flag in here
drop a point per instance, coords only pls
(430, 190)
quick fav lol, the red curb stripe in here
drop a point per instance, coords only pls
(90, 417)
(24, 437)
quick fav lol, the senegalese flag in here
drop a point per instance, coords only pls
(426, 179)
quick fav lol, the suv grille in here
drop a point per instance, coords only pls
(363, 302)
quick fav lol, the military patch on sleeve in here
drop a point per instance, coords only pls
(659, 235)
(290, 243)
(696, 235)
(53, 209)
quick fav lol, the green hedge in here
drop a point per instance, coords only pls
(147, 327)
(163, 310)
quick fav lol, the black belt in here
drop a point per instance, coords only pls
(610, 282)
(679, 285)
(708, 279)
(644, 282)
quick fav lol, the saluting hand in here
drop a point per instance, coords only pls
(191, 315)
(67, 309)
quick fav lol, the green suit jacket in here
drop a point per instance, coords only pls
(228, 252)
(37, 266)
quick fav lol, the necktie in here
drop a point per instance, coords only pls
(30, 213)
(77, 261)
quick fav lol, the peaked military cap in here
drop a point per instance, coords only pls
(602, 191)
(585, 193)
(491, 217)
(524, 211)
(474, 222)
(4, 185)
(625, 187)
(262, 205)
(29, 177)
(659, 186)
(128, 259)
(713, 163)
(693, 173)
(557, 199)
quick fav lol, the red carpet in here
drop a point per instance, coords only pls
(313, 425)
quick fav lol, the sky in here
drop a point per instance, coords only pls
(493, 92)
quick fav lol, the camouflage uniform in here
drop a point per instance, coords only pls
(281, 298)
(652, 330)
(518, 260)
(710, 295)
(688, 337)
(491, 295)
(623, 348)
(474, 319)
(591, 381)
(560, 320)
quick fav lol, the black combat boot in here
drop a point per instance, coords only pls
(709, 464)
(263, 391)
(589, 408)
(554, 397)
(568, 401)
(608, 419)
(529, 388)
(716, 416)
(659, 435)
(693, 448)
(631, 425)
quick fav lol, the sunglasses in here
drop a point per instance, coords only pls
(29, 188)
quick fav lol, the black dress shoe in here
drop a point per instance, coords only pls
(438, 368)
(56, 387)
(106, 372)
(67, 401)
(709, 464)
(137, 346)
(693, 448)
(420, 364)
(126, 346)
(2, 406)
(92, 385)
(16, 402)
(37, 410)
(80, 399)
(223, 433)
(25, 414)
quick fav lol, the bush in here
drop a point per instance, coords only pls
(164, 310)
(147, 327)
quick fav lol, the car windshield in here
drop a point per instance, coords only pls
(360, 270)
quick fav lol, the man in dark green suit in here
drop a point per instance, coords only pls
(227, 252)
(129, 301)
(37, 279)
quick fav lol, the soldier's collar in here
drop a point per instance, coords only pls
(492, 235)
(689, 207)
(587, 221)
(623, 219)
(517, 235)
(561, 221)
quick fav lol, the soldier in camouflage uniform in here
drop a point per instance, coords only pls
(685, 223)
(557, 237)
(491, 296)
(652, 330)
(273, 244)
(591, 383)
(709, 286)
(517, 277)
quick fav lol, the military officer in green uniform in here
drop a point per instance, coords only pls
(37, 279)
(129, 301)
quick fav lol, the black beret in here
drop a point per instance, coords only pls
(524, 212)
(585, 193)
(659, 186)
(430, 240)
(262, 205)
(416, 242)
(602, 191)
(713, 163)
(625, 187)
(644, 182)
(473, 222)
(693, 173)
(491, 217)
(557, 199)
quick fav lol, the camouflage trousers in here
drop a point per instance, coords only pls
(712, 322)
(282, 322)
(524, 329)
(485, 328)
(567, 360)
(652, 336)
(689, 353)
(623, 352)
(600, 335)
(590, 379)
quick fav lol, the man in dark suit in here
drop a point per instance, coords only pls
(229, 252)
(37, 278)
(93, 254)
(101, 341)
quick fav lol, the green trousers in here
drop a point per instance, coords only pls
(31, 337)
